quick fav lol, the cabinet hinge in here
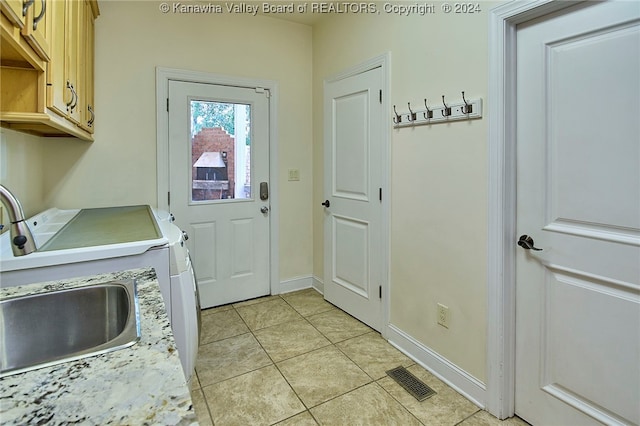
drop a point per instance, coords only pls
(380, 95)
(380, 292)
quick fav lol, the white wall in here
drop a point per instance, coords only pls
(438, 176)
(132, 39)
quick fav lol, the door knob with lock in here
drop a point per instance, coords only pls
(264, 209)
(526, 242)
(326, 203)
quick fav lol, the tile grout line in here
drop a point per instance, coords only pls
(280, 371)
(274, 363)
(373, 380)
(256, 369)
(302, 306)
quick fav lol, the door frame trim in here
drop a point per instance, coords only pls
(381, 61)
(163, 76)
(501, 331)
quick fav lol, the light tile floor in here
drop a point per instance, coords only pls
(298, 360)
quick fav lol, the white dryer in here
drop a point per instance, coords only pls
(185, 302)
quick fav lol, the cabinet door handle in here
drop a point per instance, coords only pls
(41, 15)
(26, 5)
(75, 95)
(93, 116)
(70, 87)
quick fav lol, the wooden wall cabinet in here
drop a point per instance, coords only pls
(52, 94)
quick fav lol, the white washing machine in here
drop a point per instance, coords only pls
(185, 302)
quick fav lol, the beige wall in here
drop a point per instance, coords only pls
(438, 177)
(21, 170)
(132, 39)
(438, 172)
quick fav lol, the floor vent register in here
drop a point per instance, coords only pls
(411, 383)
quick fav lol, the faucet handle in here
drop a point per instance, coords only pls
(20, 241)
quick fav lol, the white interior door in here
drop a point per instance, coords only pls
(219, 177)
(578, 197)
(353, 209)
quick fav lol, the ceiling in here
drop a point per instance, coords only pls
(306, 18)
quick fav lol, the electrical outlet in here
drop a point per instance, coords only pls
(443, 315)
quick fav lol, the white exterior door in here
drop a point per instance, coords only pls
(353, 209)
(578, 198)
(219, 177)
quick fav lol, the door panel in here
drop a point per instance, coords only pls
(351, 255)
(353, 231)
(578, 196)
(351, 171)
(219, 153)
(242, 247)
(203, 237)
(599, 306)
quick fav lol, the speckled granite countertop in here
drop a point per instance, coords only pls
(139, 385)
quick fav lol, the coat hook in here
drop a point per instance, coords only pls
(412, 115)
(398, 118)
(428, 114)
(467, 108)
(446, 111)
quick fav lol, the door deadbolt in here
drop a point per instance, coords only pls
(264, 191)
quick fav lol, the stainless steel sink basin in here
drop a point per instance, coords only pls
(59, 326)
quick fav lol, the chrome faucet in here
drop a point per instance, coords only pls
(22, 241)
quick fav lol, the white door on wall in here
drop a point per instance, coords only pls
(353, 207)
(578, 198)
(219, 177)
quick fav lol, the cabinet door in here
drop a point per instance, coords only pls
(13, 9)
(37, 31)
(75, 10)
(62, 74)
(59, 94)
(87, 70)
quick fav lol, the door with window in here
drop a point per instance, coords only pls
(219, 186)
(578, 200)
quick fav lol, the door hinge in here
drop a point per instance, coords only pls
(167, 104)
(380, 95)
(380, 193)
(263, 90)
(380, 292)
(168, 198)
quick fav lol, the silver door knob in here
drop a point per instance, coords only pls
(526, 242)
(264, 209)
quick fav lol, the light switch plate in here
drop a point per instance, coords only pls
(294, 174)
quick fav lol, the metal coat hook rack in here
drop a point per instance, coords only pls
(447, 112)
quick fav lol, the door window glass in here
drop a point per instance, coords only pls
(220, 151)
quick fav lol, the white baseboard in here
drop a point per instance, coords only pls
(318, 284)
(295, 284)
(463, 382)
